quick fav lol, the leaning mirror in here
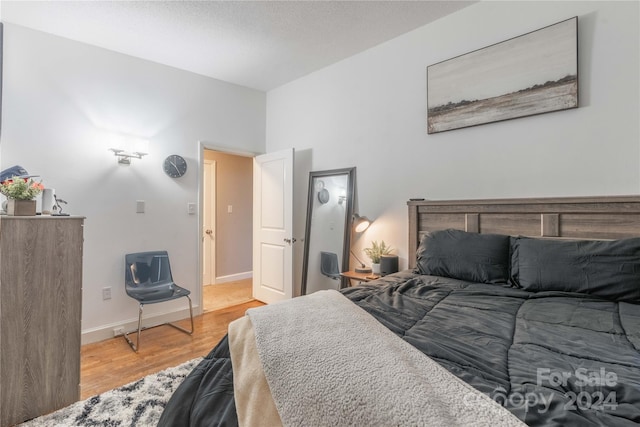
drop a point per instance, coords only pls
(328, 231)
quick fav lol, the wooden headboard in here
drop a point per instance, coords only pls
(606, 217)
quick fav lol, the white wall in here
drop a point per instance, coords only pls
(60, 100)
(369, 111)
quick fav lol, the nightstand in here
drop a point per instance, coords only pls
(360, 277)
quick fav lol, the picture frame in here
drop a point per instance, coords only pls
(531, 74)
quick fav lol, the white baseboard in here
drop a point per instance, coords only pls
(234, 277)
(106, 332)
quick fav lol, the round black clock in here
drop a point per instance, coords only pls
(175, 166)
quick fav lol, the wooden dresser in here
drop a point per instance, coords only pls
(40, 313)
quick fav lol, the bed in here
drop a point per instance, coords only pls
(513, 312)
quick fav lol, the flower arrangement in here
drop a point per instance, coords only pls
(377, 250)
(21, 188)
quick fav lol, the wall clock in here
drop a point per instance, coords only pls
(175, 166)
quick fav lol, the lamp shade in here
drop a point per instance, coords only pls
(360, 223)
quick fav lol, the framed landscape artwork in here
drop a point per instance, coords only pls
(531, 74)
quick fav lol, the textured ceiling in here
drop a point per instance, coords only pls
(258, 44)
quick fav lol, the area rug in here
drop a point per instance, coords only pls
(139, 403)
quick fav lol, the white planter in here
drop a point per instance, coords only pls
(375, 268)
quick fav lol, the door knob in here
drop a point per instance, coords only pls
(209, 232)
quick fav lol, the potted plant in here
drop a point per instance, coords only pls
(375, 252)
(20, 193)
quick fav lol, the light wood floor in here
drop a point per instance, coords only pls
(227, 294)
(111, 363)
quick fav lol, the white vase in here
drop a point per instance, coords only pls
(375, 268)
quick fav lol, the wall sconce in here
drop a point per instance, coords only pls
(360, 223)
(126, 148)
(342, 197)
(124, 157)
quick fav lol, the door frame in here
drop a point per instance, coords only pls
(211, 219)
(208, 145)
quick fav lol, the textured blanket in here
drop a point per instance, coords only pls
(329, 363)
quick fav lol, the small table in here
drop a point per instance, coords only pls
(361, 277)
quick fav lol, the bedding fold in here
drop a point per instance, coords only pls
(254, 404)
(323, 369)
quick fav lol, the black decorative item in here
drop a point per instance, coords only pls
(175, 166)
(388, 264)
(323, 196)
(57, 208)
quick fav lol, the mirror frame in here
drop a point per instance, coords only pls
(346, 246)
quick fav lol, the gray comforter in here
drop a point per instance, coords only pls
(550, 358)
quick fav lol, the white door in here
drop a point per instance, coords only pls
(208, 223)
(273, 226)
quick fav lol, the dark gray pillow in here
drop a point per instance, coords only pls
(609, 269)
(479, 258)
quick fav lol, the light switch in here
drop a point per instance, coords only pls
(229, 208)
(139, 206)
(191, 208)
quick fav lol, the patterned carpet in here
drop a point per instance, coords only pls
(136, 404)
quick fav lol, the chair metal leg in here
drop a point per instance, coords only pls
(135, 347)
(180, 328)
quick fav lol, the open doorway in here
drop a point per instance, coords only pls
(227, 230)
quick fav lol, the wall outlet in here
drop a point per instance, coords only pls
(106, 293)
(118, 331)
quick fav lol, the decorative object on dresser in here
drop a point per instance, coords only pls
(531, 74)
(48, 201)
(21, 207)
(20, 192)
(40, 313)
(57, 207)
